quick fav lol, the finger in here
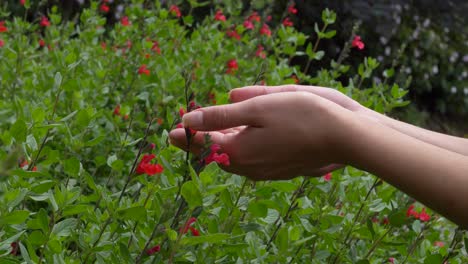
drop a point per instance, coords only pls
(245, 93)
(215, 118)
(178, 138)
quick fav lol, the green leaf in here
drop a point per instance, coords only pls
(41, 221)
(76, 209)
(19, 130)
(57, 80)
(43, 186)
(283, 186)
(64, 228)
(433, 259)
(210, 238)
(72, 166)
(319, 55)
(258, 209)
(132, 213)
(15, 217)
(191, 194)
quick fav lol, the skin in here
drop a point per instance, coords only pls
(281, 132)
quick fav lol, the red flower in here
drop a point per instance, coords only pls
(385, 221)
(175, 11)
(219, 16)
(103, 45)
(153, 250)
(357, 43)
(155, 47)
(294, 77)
(327, 177)
(124, 21)
(2, 43)
(232, 66)
(188, 227)
(412, 212)
(34, 168)
(160, 121)
(41, 43)
(438, 243)
(24, 164)
(222, 158)
(194, 231)
(391, 260)
(423, 216)
(265, 30)
(143, 70)
(14, 248)
(181, 112)
(268, 18)
(145, 166)
(248, 24)
(254, 17)
(232, 33)
(260, 53)
(117, 110)
(287, 22)
(180, 125)
(292, 9)
(45, 22)
(3, 28)
(104, 8)
(22, 2)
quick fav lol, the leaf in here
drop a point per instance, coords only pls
(370, 227)
(76, 209)
(210, 238)
(132, 213)
(433, 259)
(43, 186)
(64, 228)
(319, 55)
(258, 209)
(191, 194)
(15, 217)
(19, 130)
(72, 166)
(283, 186)
(57, 80)
(41, 221)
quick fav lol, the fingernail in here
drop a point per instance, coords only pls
(193, 119)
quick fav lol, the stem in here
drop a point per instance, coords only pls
(453, 244)
(315, 49)
(292, 206)
(356, 217)
(374, 246)
(415, 243)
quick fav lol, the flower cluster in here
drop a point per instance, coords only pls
(145, 166)
(188, 226)
(423, 216)
(357, 43)
(214, 156)
(153, 250)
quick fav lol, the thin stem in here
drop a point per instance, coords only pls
(415, 243)
(356, 217)
(315, 49)
(376, 243)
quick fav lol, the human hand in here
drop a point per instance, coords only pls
(244, 93)
(274, 136)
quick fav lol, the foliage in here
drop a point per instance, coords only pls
(82, 102)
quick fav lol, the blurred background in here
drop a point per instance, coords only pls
(426, 41)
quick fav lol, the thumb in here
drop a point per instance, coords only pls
(222, 117)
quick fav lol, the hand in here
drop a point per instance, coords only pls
(241, 94)
(274, 136)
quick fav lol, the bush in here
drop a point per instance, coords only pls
(88, 174)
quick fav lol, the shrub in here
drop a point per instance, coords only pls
(88, 174)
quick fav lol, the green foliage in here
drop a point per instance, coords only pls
(81, 113)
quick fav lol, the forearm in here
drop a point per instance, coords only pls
(434, 176)
(454, 144)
